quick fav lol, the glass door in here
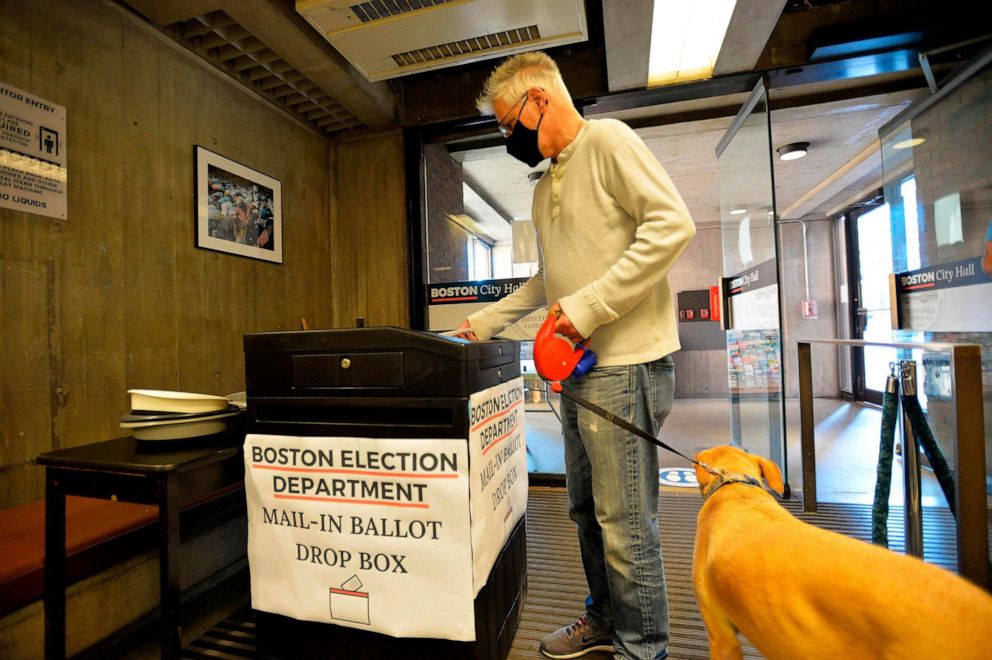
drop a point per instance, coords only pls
(872, 318)
(749, 234)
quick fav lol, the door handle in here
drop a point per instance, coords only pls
(862, 314)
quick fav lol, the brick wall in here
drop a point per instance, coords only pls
(956, 158)
(446, 241)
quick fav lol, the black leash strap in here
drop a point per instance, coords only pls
(625, 425)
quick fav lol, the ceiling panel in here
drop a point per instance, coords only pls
(217, 38)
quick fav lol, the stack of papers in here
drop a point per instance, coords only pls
(169, 415)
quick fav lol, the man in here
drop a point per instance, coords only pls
(610, 224)
(242, 217)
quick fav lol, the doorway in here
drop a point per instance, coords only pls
(870, 262)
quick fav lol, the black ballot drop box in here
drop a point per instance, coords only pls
(380, 383)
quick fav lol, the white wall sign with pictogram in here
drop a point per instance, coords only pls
(33, 157)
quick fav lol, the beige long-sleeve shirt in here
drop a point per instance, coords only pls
(610, 224)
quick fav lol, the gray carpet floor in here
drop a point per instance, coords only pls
(556, 584)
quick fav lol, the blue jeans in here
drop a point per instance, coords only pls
(612, 479)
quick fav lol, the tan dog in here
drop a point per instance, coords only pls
(800, 592)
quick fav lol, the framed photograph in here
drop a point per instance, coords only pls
(238, 209)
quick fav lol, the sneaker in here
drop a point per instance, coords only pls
(577, 639)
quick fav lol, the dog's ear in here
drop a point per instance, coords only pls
(702, 476)
(772, 474)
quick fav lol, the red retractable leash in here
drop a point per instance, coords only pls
(557, 359)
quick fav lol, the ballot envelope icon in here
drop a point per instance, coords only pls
(349, 603)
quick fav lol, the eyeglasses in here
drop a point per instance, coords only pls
(506, 130)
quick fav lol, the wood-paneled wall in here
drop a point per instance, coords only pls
(369, 253)
(117, 296)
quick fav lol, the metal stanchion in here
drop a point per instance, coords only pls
(806, 428)
(883, 473)
(912, 510)
(967, 438)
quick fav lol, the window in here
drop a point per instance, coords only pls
(947, 218)
(480, 259)
(908, 191)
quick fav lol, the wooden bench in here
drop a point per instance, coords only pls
(99, 534)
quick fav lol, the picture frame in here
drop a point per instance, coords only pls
(238, 209)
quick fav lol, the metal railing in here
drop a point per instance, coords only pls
(967, 438)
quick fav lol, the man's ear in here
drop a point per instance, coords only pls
(538, 96)
(772, 474)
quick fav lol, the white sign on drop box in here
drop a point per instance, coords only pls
(351, 531)
(395, 536)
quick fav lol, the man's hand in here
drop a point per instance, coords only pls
(564, 326)
(468, 334)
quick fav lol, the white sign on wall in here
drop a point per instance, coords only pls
(450, 303)
(756, 309)
(32, 153)
(951, 297)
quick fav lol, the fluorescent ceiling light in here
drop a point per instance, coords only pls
(738, 212)
(686, 38)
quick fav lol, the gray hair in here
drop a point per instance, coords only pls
(517, 74)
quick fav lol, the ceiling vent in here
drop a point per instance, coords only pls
(390, 38)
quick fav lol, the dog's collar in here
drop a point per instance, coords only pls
(721, 478)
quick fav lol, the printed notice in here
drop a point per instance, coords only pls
(756, 309)
(951, 297)
(451, 303)
(498, 457)
(362, 532)
(753, 297)
(33, 159)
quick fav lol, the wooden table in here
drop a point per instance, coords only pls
(167, 474)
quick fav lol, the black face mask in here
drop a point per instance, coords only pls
(522, 143)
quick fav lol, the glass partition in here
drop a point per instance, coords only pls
(937, 165)
(750, 275)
